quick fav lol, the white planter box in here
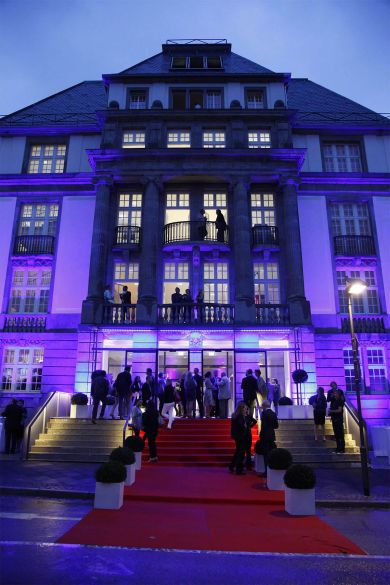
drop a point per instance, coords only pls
(259, 463)
(275, 479)
(130, 479)
(285, 412)
(109, 496)
(299, 411)
(300, 502)
(138, 459)
(79, 411)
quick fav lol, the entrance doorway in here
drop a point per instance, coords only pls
(115, 360)
(174, 364)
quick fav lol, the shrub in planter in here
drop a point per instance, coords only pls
(279, 459)
(300, 477)
(300, 483)
(259, 457)
(258, 448)
(127, 457)
(300, 376)
(110, 478)
(111, 472)
(79, 399)
(285, 401)
(137, 445)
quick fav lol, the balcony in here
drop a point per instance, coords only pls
(194, 231)
(354, 246)
(118, 314)
(275, 315)
(265, 236)
(24, 323)
(127, 236)
(33, 245)
(192, 314)
(363, 325)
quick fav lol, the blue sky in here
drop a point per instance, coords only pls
(48, 45)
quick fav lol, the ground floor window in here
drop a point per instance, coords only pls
(377, 369)
(22, 369)
(216, 282)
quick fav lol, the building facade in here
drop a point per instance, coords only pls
(104, 183)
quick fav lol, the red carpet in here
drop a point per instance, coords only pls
(206, 509)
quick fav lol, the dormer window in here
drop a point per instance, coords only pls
(137, 99)
(254, 99)
(196, 62)
(179, 62)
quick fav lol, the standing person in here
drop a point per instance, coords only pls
(215, 380)
(209, 389)
(169, 403)
(200, 306)
(136, 418)
(13, 419)
(221, 226)
(187, 302)
(160, 391)
(123, 389)
(190, 392)
(238, 433)
(224, 395)
(136, 388)
(176, 299)
(108, 302)
(150, 426)
(125, 297)
(250, 423)
(99, 393)
(333, 389)
(318, 402)
(202, 228)
(145, 393)
(336, 413)
(269, 422)
(261, 385)
(274, 394)
(152, 383)
(199, 391)
(20, 403)
(249, 391)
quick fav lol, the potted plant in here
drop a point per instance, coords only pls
(278, 461)
(285, 408)
(110, 480)
(259, 457)
(125, 456)
(300, 481)
(137, 445)
(79, 405)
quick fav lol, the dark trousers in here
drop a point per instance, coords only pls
(160, 403)
(238, 457)
(338, 429)
(216, 407)
(248, 453)
(151, 444)
(199, 400)
(124, 405)
(11, 440)
(251, 404)
(96, 402)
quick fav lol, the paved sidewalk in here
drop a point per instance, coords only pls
(334, 486)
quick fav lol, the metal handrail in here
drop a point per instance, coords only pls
(198, 313)
(354, 246)
(55, 404)
(25, 245)
(127, 235)
(195, 231)
(352, 422)
(265, 235)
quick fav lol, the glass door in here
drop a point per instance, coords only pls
(174, 364)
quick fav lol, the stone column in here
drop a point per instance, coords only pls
(92, 306)
(244, 288)
(298, 305)
(150, 237)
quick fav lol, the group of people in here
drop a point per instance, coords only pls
(125, 297)
(220, 224)
(183, 309)
(255, 390)
(333, 402)
(15, 415)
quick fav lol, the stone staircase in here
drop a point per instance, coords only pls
(190, 443)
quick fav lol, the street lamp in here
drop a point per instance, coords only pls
(357, 287)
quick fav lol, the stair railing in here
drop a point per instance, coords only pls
(351, 422)
(55, 404)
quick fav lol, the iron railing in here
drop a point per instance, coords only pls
(119, 314)
(267, 314)
(363, 325)
(127, 235)
(26, 323)
(194, 231)
(192, 313)
(354, 246)
(265, 235)
(351, 418)
(26, 245)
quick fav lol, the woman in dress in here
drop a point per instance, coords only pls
(318, 402)
(209, 387)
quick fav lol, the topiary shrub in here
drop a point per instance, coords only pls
(134, 443)
(285, 401)
(123, 455)
(235, 105)
(259, 448)
(111, 472)
(79, 398)
(300, 477)
(300, 376)
(279, 459)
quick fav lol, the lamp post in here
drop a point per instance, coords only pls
(356, 287)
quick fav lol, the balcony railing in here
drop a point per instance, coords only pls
(265, 235)
(363, 325)
(193, 314)
(26, 245)
(118, 314)
(277, 315)
(24, 323)
(354, 246)
(194, 231)
(127, 235)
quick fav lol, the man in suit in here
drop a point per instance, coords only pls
(177, 300)
(125, 297)
(123, 388)
(269, 423)
(249, 391)
(99, 391)
(199, 391)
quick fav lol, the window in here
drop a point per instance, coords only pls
(259, 139)
(137, 99)
(47, 158)
(214, 139)
(179, 62)
(134, 139)
(22, 369)
(263, 209)
(342, 158)
(38, 219)
(254, 99)
(176, 274)
(196, 62)
(350, 219)
(178, 200)
(129, 209)
(266, 279)
(367, 302)
(126, 274)
(216, 282)
(213, 100)
(349, 372)
(179, 139)
(177, 212)
(30, 290)
(214, 201)
(377, 369)
(194, 99)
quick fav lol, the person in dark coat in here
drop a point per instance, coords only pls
(13, 414)
(177, 300)
(318, 402)
(221, 226)
(125, 297)
(269, 422)
(249, 391)
(337, 416)
(99, 392)
(250, 423)
(22, 423)
(199, 391)
(334, 388)
(123, 389)
(150, 427)
(239, 434)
